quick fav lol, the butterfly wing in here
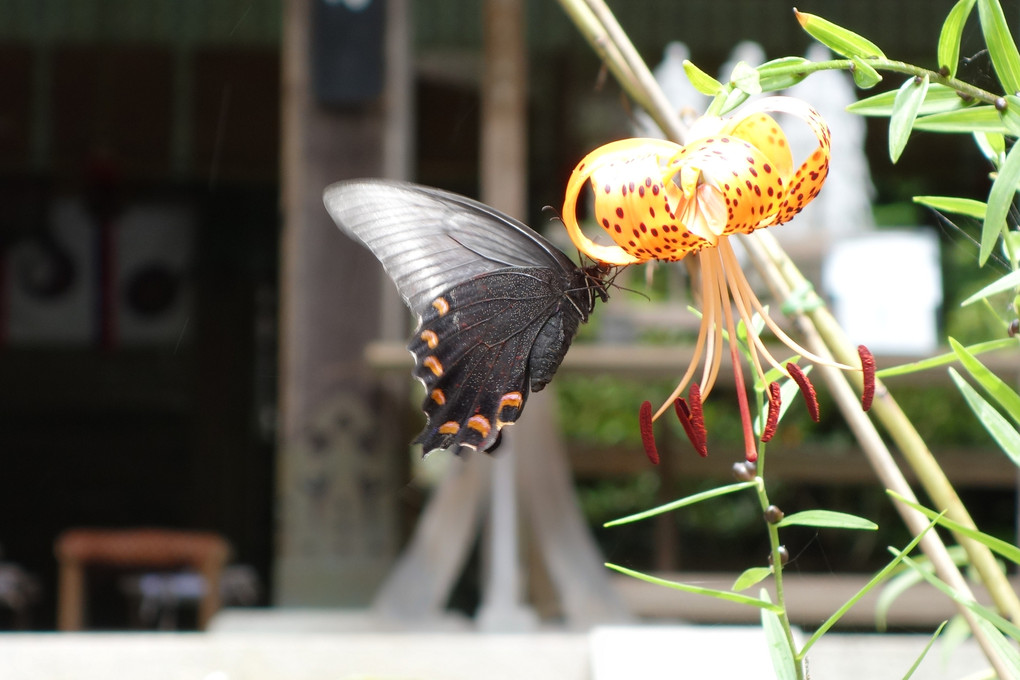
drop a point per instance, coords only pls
(428, 239)
(498, 304)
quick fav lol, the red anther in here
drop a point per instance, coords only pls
(806, 389)
(683, 414)
(697, 416)
(647, 434)
(775, 401)
(868, 369)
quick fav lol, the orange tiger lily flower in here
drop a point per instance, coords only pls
(658, 200)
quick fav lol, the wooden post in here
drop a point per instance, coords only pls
(338, 527)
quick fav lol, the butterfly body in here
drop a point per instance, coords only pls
(498, 305)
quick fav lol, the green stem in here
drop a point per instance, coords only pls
(777, 574)
(724, 101)
(891, 65)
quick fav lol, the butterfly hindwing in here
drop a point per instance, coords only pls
(474, 352)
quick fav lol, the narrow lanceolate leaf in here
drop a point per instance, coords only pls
(702, 82)
(957, 206)
(1000, 200)
(865, 76)
(783, 660)
(836, 38)
(972, 119)
(939, 99)
(993, 384)
(751, 577)
(827, 518)
(1011, 115)
(1004, 434)
(781, 73)
(949, 38)
(874, 581)
(1001, 48)
(1007, 283)
(697, 590)
(924, 652)
(947, 358)
(905, 107)
(687, 500)
(990, 622)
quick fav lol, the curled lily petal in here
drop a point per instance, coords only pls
(635, 202)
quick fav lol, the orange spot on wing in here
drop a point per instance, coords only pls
(449, 427)
(438, 396)
(511, 400)
(479, 424)
(429, 337)
(433, 365)
(441, 305)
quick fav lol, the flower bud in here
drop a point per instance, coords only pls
(784, 556)
(744, 470)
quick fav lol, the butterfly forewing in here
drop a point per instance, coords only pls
(428, 240)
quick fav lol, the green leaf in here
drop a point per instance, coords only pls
(1000, 200)
(783, 661)
(781, 73)
(874, 581)
(958, 206)
(1006, 283)
(924, 652)
(968, 120)
(949, 38)
(836, 38)
(688, 500)
(905, 107)
(697, 590)
(745, 78)
(751, 577)
(865, 75)
(992, 146)
(1004, 648)
(947, 358)
(1004, 434)
(1001, 47)
(1003, 548)
(827, 518)
(939, 99)
(989, 621)
(993, 384)
(891, 591)
(702, 82)
(1011, 115)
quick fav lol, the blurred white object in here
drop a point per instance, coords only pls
(886, 288)
(747, 51)
(844, 205)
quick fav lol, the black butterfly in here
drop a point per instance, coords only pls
(498, 304)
